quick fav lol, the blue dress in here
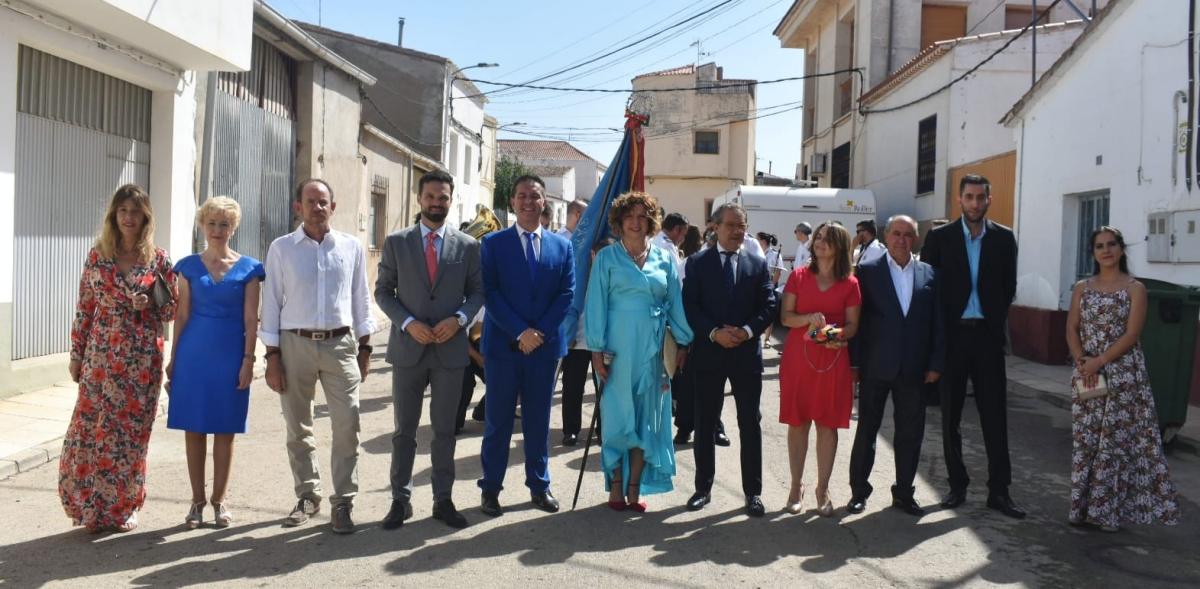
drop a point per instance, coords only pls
(626, 313)
(204, 396)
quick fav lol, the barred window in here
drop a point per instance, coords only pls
(926, 154)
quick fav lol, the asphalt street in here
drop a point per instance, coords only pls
(593, 546)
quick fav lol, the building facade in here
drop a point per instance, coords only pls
(700, 139)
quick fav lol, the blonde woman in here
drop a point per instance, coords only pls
(212, 363)
(117, 359)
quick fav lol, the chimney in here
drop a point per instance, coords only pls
(400, 34)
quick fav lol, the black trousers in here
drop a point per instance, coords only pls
(574, 377)
(710, 398)
(973, 352)
(908, 413)
(472, 372)
(683, 392)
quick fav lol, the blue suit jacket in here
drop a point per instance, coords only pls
(709, 305)
(890, 345)
(514, 302)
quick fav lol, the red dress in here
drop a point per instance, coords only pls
(102, 470)
(815, 383)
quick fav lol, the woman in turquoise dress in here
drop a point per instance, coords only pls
(633, 297)
(212, 362)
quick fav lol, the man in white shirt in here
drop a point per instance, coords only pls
(316, 324)
(575, 211)
(868, 247)
(803, 233)
(674, 229)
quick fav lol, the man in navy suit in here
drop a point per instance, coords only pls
(528, 278)
(900, 348)
(729, 300)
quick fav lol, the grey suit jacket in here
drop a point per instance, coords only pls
(402, 290)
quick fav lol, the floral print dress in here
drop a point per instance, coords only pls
(1118, 472)
(102, 471)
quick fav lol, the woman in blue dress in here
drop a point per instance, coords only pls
(212, 361)
(633, 297)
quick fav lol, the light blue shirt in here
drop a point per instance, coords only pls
(974, 245)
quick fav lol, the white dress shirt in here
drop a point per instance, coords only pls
(903, 279)
(872, 250)
(537, 242)
(752, 247)
(802, 255)
(733, 261)
(317, 286)
(661, 240)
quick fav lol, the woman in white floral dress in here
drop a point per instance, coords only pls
(1118, 472)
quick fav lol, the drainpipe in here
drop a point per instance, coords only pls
(1033, 53)
(1191, 92)
(1180, 98)
(891, 28)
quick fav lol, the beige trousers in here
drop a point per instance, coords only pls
(334, 363)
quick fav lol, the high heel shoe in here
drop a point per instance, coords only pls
(195, 516)
(617, 504)
(639, 506)
(825, 508)
(794, 507)
(221, 516)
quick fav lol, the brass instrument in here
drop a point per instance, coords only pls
(485, 222)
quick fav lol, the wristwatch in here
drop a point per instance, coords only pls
(462, 319)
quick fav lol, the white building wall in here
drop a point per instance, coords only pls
(1112, 102)
(469, 115)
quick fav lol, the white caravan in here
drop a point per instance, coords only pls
(778, 209)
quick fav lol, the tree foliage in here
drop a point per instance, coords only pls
(507, 171)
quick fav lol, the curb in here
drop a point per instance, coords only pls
(30, 458)
(1182, 443)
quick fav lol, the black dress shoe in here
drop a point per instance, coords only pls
(954, 499)
(490, 504)
(570, 439)
(1004, 504)
(544, 501)
(400, 511)
(683, 437)
(908, 505)
(754, 506)
(445, 511)
(698, 501)
(856, 505)
(722, 439)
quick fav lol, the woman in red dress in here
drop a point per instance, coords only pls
(117, 359)
(816, 384)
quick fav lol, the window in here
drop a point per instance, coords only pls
(377, 216)
(1093, 212)
(1016, 17)
(453, 158)
(707, 142)
(926, 154)
(468, 168)
(839, 174)
(844, 60)
(939, 23)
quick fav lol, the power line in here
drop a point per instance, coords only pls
(865, 111)
(724, 84)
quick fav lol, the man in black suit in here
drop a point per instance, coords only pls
(729, 300)
(976, 261)
(900, 347)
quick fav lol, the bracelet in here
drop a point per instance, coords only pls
(365, 348)
(270, 353)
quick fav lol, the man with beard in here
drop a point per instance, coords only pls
(440, 290)
(315, 304)
(528, 281)
(976, 263)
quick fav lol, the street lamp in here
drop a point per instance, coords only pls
(449, 110)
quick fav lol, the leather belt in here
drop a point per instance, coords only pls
(317, 336)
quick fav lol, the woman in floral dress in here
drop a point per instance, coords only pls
(1118, 472)
(117, 359)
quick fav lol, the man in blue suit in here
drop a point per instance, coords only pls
(900, 346)
(528, 278)
(729, 301)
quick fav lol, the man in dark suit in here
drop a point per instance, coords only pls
(976, 261)
(729, 300)
(429, 285)
(528, 279)
(900, 346)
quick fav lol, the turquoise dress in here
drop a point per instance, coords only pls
(626, 313)
(204, 397)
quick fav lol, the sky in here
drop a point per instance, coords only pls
(532, 39)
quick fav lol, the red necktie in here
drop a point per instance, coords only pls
(431, 257)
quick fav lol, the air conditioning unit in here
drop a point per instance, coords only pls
(816, 163)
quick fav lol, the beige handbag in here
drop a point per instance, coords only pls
(1085, 393)
(670, 352)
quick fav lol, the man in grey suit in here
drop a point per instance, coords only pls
(429, 285)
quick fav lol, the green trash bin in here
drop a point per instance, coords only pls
(1169, 341)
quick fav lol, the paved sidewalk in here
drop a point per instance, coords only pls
(32, 424)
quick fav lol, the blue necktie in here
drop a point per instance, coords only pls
(530, 257)
(729, 270)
